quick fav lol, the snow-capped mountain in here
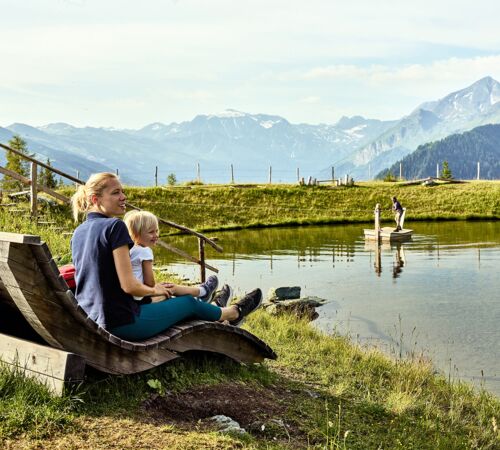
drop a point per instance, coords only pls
(478, 104)
(252, 142)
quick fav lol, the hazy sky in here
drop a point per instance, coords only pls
(128, 63)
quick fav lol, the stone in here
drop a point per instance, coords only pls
(302, 307)
(227, 425)
(283, 293)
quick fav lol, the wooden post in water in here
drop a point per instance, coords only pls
(34, 190)
(377, 221)
(201, 254)
(378, 259)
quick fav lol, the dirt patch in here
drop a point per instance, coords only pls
(263, 412)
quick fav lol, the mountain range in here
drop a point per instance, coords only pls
(252, 142)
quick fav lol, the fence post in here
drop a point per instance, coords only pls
(437, 170)
(34, 190)
(201, 253)
(198, 176)
(333, 175)
(298, 175)
(478, 169)
(400, 171)
(270, 174)
(232, 174)
(156, 175)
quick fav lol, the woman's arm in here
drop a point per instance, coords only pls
(147, 272)
(130, 284)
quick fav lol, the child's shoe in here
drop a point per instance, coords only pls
(210, 286)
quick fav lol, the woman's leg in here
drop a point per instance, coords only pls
(157, 317)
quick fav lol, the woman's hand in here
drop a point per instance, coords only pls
(162, 289)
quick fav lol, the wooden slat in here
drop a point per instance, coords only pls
(19, 238)
(53, 367)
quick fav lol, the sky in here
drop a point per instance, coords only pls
(126, 64)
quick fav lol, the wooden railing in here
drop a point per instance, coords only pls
(35, 187)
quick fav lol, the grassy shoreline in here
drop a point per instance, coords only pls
(335, 394)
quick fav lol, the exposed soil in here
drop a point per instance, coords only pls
(266, 413)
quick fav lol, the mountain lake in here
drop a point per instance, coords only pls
(436, 295)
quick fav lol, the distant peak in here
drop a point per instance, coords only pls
(349, 122)
(228, 113)
(155, 126)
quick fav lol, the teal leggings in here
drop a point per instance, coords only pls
(157, 317)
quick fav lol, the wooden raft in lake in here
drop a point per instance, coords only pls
(45, 332)
(387, 233)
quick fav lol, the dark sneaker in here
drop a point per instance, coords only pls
(222, 298)
(249, 303)
(210, 286)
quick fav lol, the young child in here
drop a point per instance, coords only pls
(143, 229)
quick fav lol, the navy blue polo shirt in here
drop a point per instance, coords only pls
(98, 289)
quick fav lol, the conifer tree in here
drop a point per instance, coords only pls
(446, 172)
(16, 163)
(46, 176)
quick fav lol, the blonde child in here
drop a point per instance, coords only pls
(143, 229)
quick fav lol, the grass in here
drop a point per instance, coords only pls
(341, 395)
(212, 207)
(348, 397)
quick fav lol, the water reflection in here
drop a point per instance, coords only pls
(439, 290)
(397, 248)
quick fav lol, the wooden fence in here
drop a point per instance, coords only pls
(35, 187)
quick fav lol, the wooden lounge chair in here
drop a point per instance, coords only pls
(37, 308)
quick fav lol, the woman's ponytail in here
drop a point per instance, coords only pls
(81, 199)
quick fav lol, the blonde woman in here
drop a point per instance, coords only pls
(105, 283)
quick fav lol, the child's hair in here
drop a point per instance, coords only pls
(138, 221)
(80, 201)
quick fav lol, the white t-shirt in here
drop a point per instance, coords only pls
(139, 254)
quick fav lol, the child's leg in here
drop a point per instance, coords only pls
(157, 317)
(179, 290)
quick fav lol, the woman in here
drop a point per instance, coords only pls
(105, 283)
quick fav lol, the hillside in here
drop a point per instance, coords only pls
(462, 151)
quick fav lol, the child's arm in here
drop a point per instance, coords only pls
(147, 271)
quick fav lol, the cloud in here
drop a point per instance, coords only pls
(443, 70)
